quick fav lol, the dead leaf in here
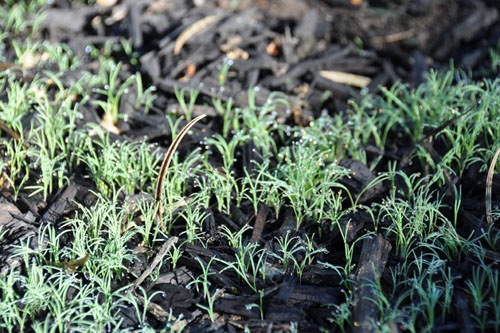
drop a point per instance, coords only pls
(73, 265)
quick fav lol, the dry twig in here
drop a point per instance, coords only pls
(159, 257)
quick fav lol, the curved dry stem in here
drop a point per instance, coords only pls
(489, 184)
(12, 133)
(166, 163)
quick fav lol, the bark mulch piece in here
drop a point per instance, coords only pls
(371, 265)
(284, 47)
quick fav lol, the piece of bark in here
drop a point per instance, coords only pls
(134, 12)
(361, 181)
(372, 262)
(238, 305)
(305, 32)
(313, 295)
(17, 227)
(282, 312)
(59, 205)
(353, 223)
(201, 255)
(463, 312)
(62, 22)
(260, 221)
(53, 214)
(170, 296)
(314, 65)
(179, 276)
(480, 18)
(150, 65)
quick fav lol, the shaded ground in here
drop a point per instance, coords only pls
(288, 46)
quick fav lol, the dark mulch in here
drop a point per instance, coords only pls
(278, 45)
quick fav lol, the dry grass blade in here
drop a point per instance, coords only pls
(166, 163)
(489, 183)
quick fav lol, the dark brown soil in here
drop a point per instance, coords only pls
(276, 45)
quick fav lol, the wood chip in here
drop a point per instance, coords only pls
(346, 78)
(372, 262)
(192, 30)
(106, 3)
(260, 221)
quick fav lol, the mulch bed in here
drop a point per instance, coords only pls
(280, 45)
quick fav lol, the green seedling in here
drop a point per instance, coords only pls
(308, 184)
(291, 248)
(145, 97)
(187, 108)
(129, 166)
(250, 258)
(228, 115)
(112, 91)
(21, 17)
(203, 281)
(224, 71)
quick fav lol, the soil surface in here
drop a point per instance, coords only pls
(281, 45)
